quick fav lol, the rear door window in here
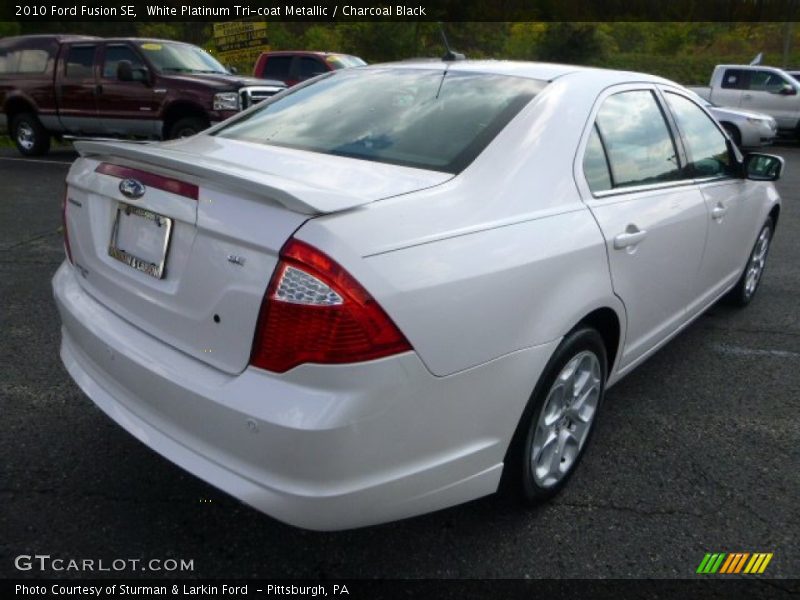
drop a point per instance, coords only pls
(277, 67)
(595, 164)
(734, 79)
(637, 139)
(80, 62)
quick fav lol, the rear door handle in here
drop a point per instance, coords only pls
(98, 89)
(630, 238)
(747, 96)
(718, 212)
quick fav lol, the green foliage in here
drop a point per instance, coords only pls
(8, 28)
(682, 51)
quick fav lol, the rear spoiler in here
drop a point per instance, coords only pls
(295, 195)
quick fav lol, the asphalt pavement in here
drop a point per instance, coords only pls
(695, 452)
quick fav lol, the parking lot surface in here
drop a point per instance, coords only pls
(696, 451)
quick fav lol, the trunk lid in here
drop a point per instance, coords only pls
(222, 246)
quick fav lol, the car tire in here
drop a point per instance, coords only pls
(538, 465)
(734, 133)
(187, 126)
(747, 286)
(29, 135)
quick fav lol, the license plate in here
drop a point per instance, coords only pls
(140, 239)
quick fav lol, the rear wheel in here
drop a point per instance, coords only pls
(30, 137)
(558, 421)
(746, 287)
(187, 126)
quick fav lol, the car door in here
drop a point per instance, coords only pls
(772, 93)
(126, 107)
(713, 164)
(653, 218)
(728, 91)
(75, 89)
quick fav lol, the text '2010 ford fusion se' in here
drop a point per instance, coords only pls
(383, 291)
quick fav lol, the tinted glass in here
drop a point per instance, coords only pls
(733, 79)
(764, 81)
(595, 166)
(342, 61)
(180, 58)
(309, 67)
(707, 147)
(115, 54)
(417, 117)
(31, 60)
(637, 140)
(277, 67)
(79, 61)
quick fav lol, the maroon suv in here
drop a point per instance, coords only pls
(53, 85)
(293, 66)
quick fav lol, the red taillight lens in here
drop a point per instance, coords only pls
(67, 249)
(314, 311)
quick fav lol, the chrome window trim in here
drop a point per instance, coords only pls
(618, 191)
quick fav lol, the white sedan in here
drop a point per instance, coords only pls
(383, 291)
(746, 128)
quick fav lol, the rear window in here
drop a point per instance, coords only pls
(429, 119)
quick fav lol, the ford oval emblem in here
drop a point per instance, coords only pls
(132, 188)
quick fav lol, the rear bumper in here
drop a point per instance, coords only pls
(319, 447)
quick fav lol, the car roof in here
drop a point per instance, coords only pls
(533, 70)
(145, 40)
(66, 37)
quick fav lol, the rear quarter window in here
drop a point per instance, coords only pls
(24, 61)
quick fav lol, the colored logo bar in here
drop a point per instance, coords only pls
(734, 562)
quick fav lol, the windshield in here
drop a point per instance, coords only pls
(180, 58)
(343, 61)
(430, 119)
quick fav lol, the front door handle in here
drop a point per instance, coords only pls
(98, 89)
(632, 236)
(718, 212)
(747, 96)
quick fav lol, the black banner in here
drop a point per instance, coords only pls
(400, 10)
(530, 589)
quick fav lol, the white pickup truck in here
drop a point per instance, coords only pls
(763, 89)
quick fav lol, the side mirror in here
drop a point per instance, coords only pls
(233, 70)
(125, 70)
(762, 167)
(788, 90)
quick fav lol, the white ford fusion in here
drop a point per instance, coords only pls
(379, 293)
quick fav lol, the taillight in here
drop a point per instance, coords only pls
(315, 312)
(67, 249)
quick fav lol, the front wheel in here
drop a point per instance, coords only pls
(30, 136)
(187, 126)
(558, 421)
(746, 287)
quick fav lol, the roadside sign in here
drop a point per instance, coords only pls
(240, 42)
